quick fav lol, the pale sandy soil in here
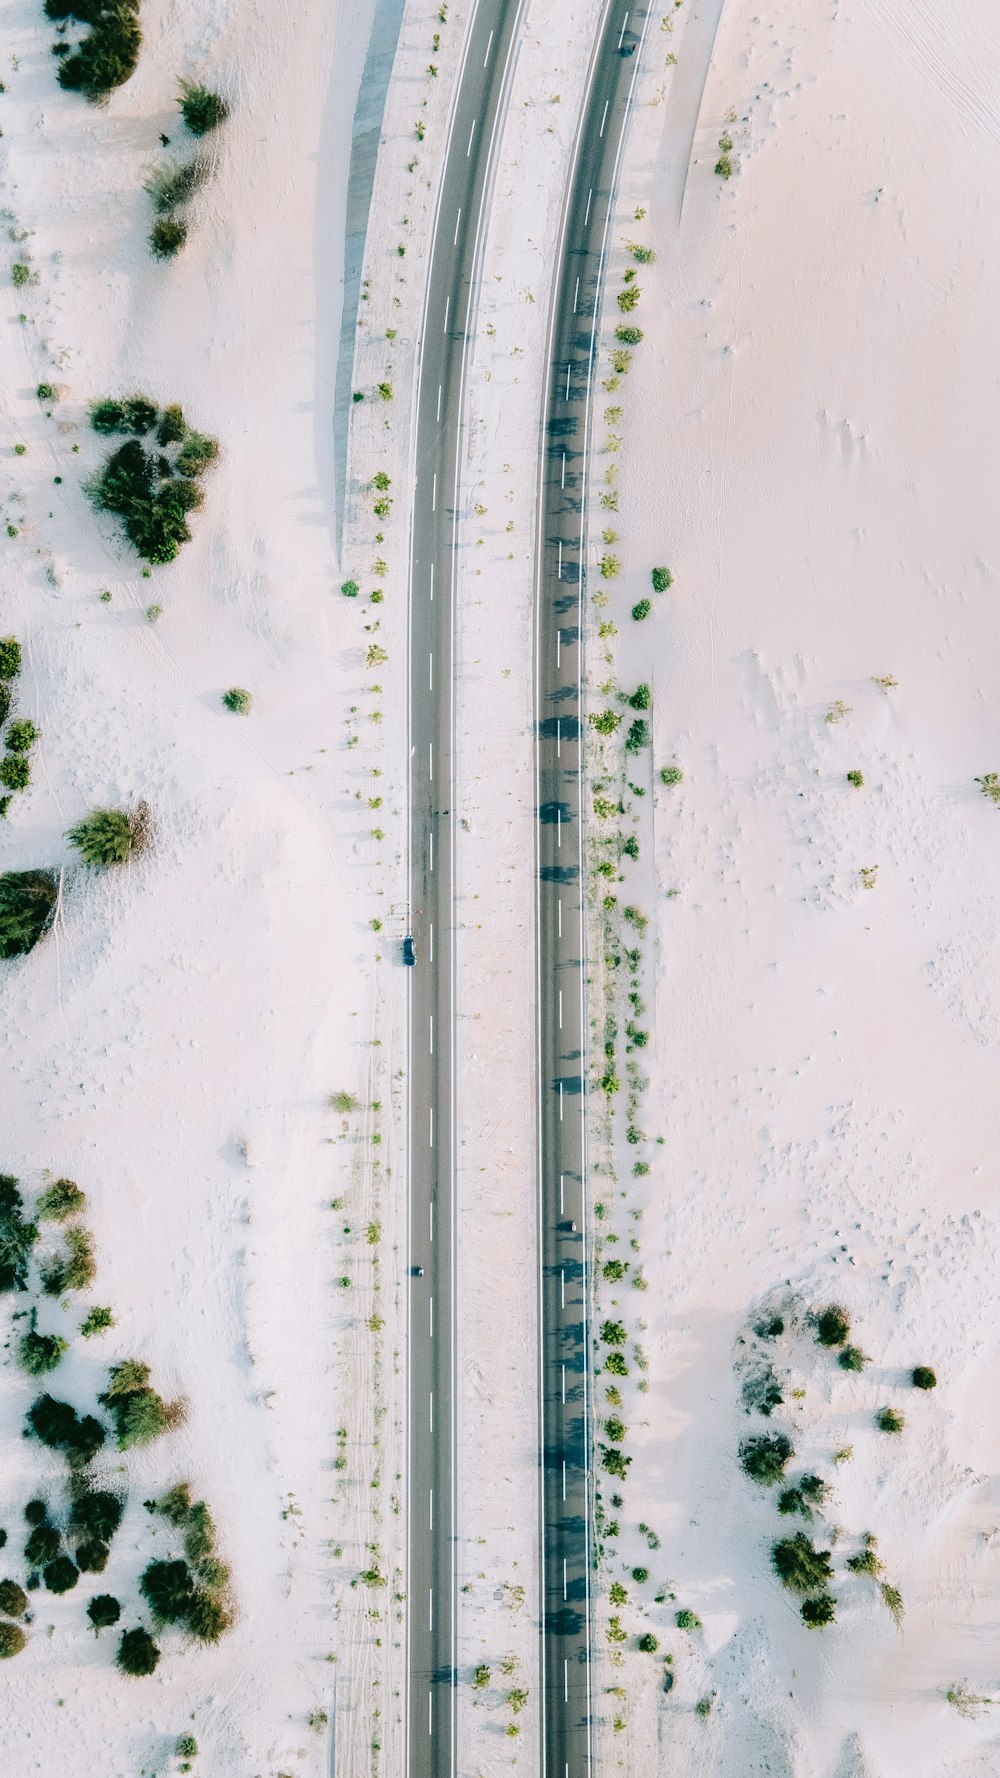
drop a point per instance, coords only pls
(810, 447)
(173, 1043)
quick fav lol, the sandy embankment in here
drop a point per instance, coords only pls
(208, 1000)
(810, 447)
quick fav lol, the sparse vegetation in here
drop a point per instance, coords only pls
(889, 1420)
(856, 778)
(967, 1702)
(97, 1320)
(17, 1236)
(39, 1353)
(922, 1377)
(238, 700)
(866, 1560)
(72, 1270)
(27, 901)
(799, 1565)
(851, 1358)
(151, 493)
(832, 1325)
(764, 1458)
(170, 186)
(201, 109)
(108, 55)
(167, 236)
(60, 1201)
(687, 1620)
(989, 784)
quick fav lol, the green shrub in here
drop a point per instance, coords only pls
(764, 1458)
(57, 1425)
(671, 775)
(610, 567)
(238, 700)
(60, 1201)
(10, 657)
(923, 1377)
(107, 417)
(790, 1501)
(199, 1537)
(5, 701)
(639, 736)
(187, 1747)
(96, 1513)
(196, 453)
(201, 109)
(74, 1269)
(176, 1504)
(167, 1588)
(628, 299)
(103, 1611)
(867, 1560)
(12, 1640)
(139, 1414)
(640, 1576)
(799, 1565)
(892, 1599)
(762, 1393)
(832, 1324)
(103, 837)
(172, 427)
(61, 1575)
(40, 1353)
(46, 392)
(92, 1556)
(149, 493)
(641, 610)
(19, 274)
(629, 336)
(36, 1512)
(687, 1620)
(814, 1489)
(17, 1235)
(15, 771)
(888, 1420)
(167, 236)
(724, 167)
(852, 1359)
(615, 1461)
(648, 1643)
(13, 1599)
(613, 1333)
(42, 1545)
(615, 1365)
(170, 186)
(662, 579)
(856, 778)
(642, 698)
(350, 589)
(107, 56)
(819, 1612)
(22, 735)
(137, 1654)
(207, 1617)
(27, 900)
(96, 1321)
(990, 787)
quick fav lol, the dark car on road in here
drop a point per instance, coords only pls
(409, 954)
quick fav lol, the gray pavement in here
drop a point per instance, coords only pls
(447, 336)
(565, 1439)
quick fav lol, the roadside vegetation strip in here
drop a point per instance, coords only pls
(48, 1253)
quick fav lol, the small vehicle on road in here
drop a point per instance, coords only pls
(409, 954)
(418, 1271)
(628, 47)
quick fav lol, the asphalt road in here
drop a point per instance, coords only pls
(448, 328)
(564, 1338)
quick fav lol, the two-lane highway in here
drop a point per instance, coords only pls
(564, 1336)
(446, 341)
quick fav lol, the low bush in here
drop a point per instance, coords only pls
(60, 1201)
(170, 186)
(615, 1461)
(96, 1513)
(196, 453)
(140, 1415)
(108, 55)
(199, 1535)
(27, 901)
(57, 1425)
(761, 1393)
(790, 1500)
(856, 778)
(138, 1655)
(103, 1611)
(648, 1643)
(833, 1325)
(167, 236)
(350, 589)
(12, 1640)
(19, 274)
(923, 1377)
(36, 1512)
(764, 1458)
(628, 299)
(207, 1617)
(15, 771)
(640, 1576)
(40, 1353)
(642, 610)
(888, 1420)
(662, 579)
(866, 1561)
(852, 1359)
(21, 736)
(671, 775)
(724, 166)
(814, 1489)
(13, 1599)
(819, 1612)
(10, 657)
(167, 1588)
(639, 736)
(46, 392)
(17, 1234)
(103, 837)
(687, 1620)
(42, 1545)
(613, 1333)
(175, 1505)
(92, 1556)
(615, 1365)
(172, 426)
(61, 1575)
(187, 1747)
(642, 698)
(629, 336)
(201, 109)
(150, 492)
(72, 1270)
(799, 1565)
(96, 1321)
(238, 700)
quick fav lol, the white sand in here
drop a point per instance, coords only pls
(216, 993)
(810, 445)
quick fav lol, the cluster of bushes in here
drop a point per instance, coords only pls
(152, 482)
(191, 1590)
(764, 1457)
(27, 897)
(172, 188)
(71, 1268)
(107, 56)
(21, 735)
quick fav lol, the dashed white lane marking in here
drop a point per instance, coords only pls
(472, 133)
(431, 1035)
(439, 402)
(459, 216)
(604, 119)
(622, 37)
(590, 199)
(430, 1114)
(489, 46)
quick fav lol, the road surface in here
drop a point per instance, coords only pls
(564, 1367)
(447, 334)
